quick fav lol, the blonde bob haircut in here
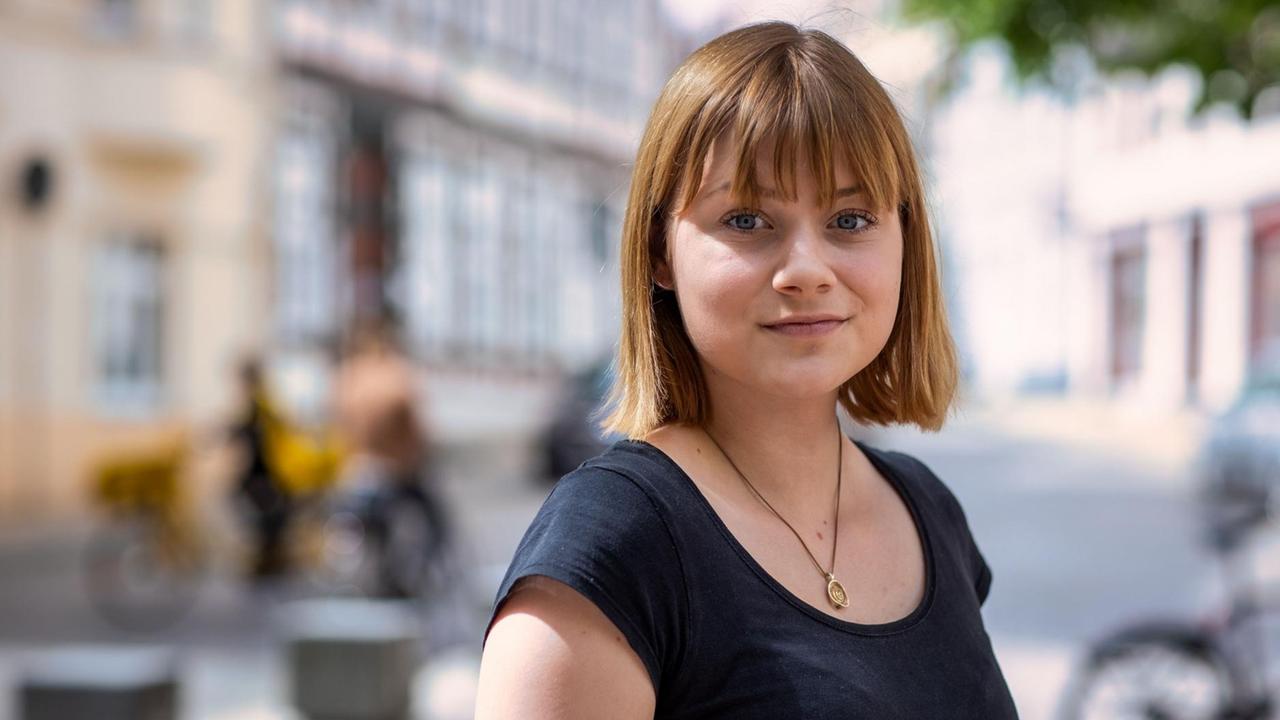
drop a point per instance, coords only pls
(804, 92)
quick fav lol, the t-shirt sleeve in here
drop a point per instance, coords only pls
(601, 534)
(978, 568)
(983, 582)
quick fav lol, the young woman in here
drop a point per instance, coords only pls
(738, 556)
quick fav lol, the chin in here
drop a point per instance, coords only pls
(802, 384)
(794, 378)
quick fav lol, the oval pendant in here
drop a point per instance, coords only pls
(835, 591)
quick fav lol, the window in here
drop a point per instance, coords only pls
(1264, 334)
(544, 22)
(487, 268)
(428, 281)
(569, 41)
(602, 227)
(116, 18)
(128, 323)
(306, 261)
(1128, 281)
(526, 273)
(475, 23)
(1195, 281)
(552, 221)
(195, 23)
(457, 205)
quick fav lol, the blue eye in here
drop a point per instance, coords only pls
(744, 221)
(849, 221)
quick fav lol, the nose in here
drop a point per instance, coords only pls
(803, 268)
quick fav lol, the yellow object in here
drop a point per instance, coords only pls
(302, 464)
(140, 480)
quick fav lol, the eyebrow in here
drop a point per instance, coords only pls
(771, 193)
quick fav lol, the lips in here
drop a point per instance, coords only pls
(806, 328)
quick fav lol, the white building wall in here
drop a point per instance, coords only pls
(1161, 174)
(997, 169)
(1087, 321)
(1226, 310)
(1164, 350)
(1008, 166)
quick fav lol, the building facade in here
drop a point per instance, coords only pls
(186, 182)
(129, 140)
(461, 167)
(1178, 230)
(1110, 246)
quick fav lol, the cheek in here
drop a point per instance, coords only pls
(709, 277)
(876, 279)
(716, 297)
(716, 292)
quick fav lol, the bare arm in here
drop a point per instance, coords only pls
(551, 653)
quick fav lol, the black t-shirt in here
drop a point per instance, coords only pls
(721, 638)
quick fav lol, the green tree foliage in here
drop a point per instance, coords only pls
(1233, 44)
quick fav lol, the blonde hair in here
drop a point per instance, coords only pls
(804, 92)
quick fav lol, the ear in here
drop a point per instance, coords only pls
(662, 275)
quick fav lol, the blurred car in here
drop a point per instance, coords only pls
(1239, 462)
(573, 436)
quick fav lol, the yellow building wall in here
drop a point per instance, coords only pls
(147, 134)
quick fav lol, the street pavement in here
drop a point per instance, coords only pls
(1079, 541)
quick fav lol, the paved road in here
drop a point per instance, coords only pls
(1078, 542)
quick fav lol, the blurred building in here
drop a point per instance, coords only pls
(187, 181)
(461, 166)
(130, 227)
(1108, 246)
(1177, 246)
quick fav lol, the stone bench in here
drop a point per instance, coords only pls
(99, 683)
(351, 659)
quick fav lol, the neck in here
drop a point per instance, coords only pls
(786, 447)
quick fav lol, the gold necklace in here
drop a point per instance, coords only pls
(835, 591)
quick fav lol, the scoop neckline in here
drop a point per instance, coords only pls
(902, 624)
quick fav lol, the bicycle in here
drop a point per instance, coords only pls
(147, 559)
(1214, 667)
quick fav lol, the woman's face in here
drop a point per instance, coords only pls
(738, 272)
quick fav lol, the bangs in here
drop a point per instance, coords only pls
(797, 101)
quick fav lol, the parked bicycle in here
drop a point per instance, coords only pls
(149, 555)
(1215, 667)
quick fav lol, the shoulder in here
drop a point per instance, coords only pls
(619, 486)
(921, 478)
(596, 523)
(604, 525)
(552, 652)
(600, 533)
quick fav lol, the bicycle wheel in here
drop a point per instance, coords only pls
(135, 580)
(1152, 673)
(415, 542)
(347, 561)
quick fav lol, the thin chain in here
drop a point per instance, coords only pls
(835, 540)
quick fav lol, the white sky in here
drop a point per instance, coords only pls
(696, 13)
(897, 55)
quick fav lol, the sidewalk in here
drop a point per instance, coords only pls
(1162, 440)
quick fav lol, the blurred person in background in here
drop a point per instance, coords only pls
(389, 474)
(258, 486)
(777, 265)
(572, 436)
